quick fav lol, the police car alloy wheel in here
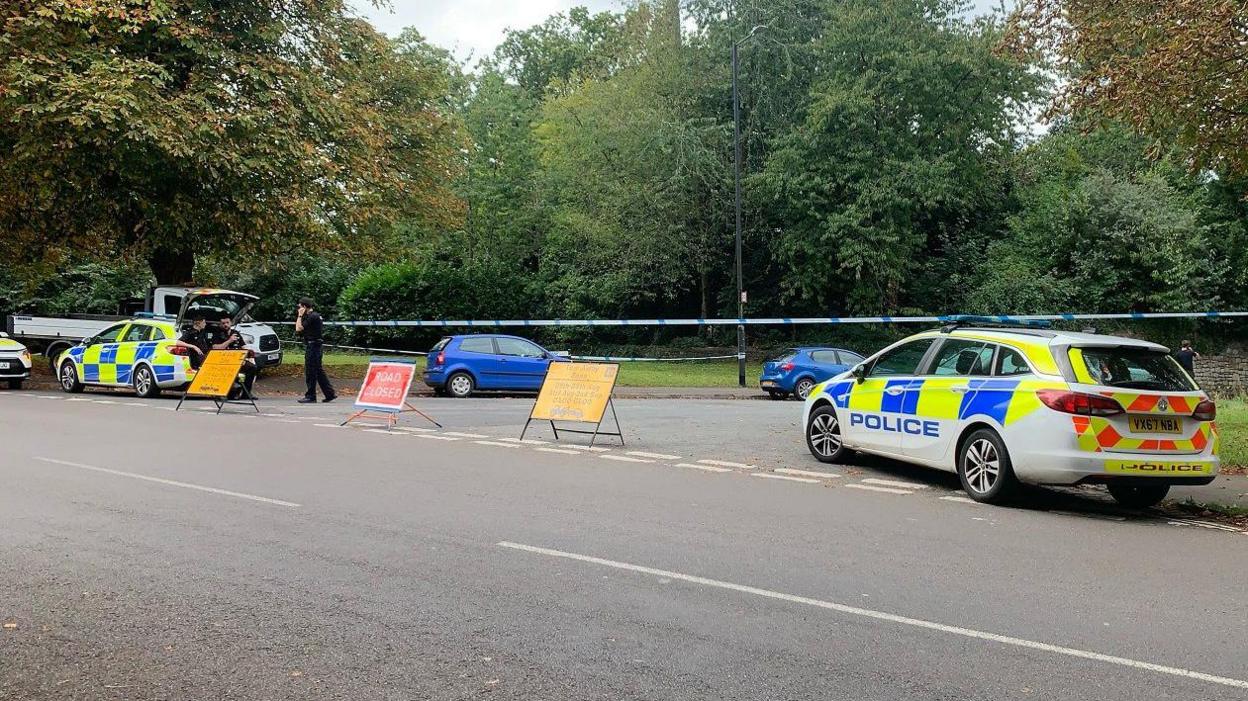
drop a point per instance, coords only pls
(69, 378)
(1138, 496)
(460, 385)
(823, 435)
(984, 468)
(144, 384)
(803, 387)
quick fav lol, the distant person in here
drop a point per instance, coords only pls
(196, 340)
(308, 324)
(233, 340)
(1187, 357)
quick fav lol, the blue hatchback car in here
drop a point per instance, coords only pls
(461, 365)
(800, 369)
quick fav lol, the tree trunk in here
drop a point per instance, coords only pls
(172, 267)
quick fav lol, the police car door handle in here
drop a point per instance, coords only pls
(960, 389)
(894, 391)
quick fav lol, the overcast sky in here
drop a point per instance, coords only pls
(472, 28)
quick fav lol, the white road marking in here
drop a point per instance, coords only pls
(725, 463)
(563, 451)
(593, 449)
(414, 429)
(886, 490)
(162, 408)
(283, 421)
(526, 441)
(78, 399)
(888, 617)
(656, 456)
(274, 415)
(704, 468)
(895, 483)
(172, 483)
(807, 473)
(136, 404)
(436, 437)
(329, 425)
(465, 435)
(624, 458)
(382, 431)
(104, 401)
(44, 396)
(1204, 524)
(961, 500)
(784, 477)
(498, 443)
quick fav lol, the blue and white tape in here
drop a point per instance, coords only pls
(771, 321)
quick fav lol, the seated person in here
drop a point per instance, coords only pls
(233, 340)
(196, 340)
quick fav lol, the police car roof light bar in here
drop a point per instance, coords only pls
(957, 321)
(154, 315)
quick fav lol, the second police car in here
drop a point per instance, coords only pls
(1001, 406)
(142, 353)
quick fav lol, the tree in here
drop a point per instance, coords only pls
(1175, 70)
(212, 125)
(896, 152)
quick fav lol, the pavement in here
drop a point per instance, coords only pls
(154, 554)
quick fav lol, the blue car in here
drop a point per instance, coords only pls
(800, 369)
(461, 365)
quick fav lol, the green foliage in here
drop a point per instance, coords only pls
(437, 288)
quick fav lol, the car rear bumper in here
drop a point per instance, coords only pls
(1075, 467)
(268, 359)
(776, 383)
(434, 378)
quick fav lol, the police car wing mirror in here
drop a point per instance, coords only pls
(89, 340)
(859, 372)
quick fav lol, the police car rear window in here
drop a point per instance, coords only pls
(1133, 368)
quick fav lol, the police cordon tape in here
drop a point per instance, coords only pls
(587, 358)
(771, 321)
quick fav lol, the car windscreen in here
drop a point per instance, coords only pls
(785, 357)
(440, 345)
(1133, 368)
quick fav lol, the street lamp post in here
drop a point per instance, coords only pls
(736, 166)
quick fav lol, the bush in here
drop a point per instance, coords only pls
(432, 289)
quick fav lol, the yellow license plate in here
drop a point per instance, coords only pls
(1156, 424)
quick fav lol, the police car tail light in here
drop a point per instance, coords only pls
(1206, 411)
(1078, 403)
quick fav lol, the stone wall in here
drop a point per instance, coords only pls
(1223, 375)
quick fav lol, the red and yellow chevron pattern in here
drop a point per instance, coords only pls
(1097, 434)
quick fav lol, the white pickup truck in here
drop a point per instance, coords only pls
(52, 335)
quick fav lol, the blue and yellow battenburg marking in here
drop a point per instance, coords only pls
(1003, 400)
(114, 363)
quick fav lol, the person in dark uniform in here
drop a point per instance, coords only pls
(1187, 357)
(309, 324)
(233, 340)
(196, 340)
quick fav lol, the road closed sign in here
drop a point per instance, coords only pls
(575, 392)
(218, 373)
(386, 385)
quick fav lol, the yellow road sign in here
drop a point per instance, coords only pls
(575, 392)
(216, 376)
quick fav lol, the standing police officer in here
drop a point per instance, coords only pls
(308, 323)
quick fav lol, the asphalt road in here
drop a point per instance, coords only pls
(148, 554)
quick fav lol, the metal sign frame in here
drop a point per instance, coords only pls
(594, 434)
(221, 401)
(390, 415)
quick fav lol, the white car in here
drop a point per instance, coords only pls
(14, 362)
(1004, 405)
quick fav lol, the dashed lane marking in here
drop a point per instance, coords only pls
(1086, 514)
(1203, 524)
(329, 425)
(592, 449)
(500, 444)
(435, 437)
(961, 500)
(872, 488)
(887, 617)
(382, 431)
(895, 483)
(807, 473)
(725, 463)
(465, 435)
(527, 441)
(656, 456)
(770, 476)
(624, 458)
(414, 429)
(172, 483)
(78, 399)
(704, 468)
(562, 451)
